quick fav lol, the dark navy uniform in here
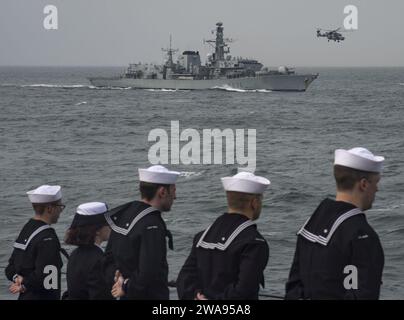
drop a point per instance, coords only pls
(85, 276)
(137, 248)
(36, 247)
(337, 235)
(227, 261)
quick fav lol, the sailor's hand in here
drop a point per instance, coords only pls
(200, 296)
(17, 286)
(117, 289)
(14, 288)
(117, 275)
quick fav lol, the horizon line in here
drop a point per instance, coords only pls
(116, 66)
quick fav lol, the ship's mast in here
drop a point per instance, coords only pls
(221, 47)
(170, 52)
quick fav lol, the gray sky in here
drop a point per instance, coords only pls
(276, 32)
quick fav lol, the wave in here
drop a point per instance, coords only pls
(114, 88)
(166, 90)
(245, 169)
(399, 230)
(80, 103)
(231, 89)
(61, 86)
(64, 86)
(84, 86)
(190, 174)
(401, 84)
(293, 196)
(162, 90)
(386, 209)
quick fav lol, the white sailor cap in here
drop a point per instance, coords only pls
(45, 194)
(158, 174)
(359, 159)
(245, 182)
(90, 213)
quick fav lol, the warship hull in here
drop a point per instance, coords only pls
(272, 82)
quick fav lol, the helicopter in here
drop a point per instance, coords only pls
(331, 35)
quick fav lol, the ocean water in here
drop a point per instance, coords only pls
(56, 128)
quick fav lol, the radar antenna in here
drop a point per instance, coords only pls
(220, 44)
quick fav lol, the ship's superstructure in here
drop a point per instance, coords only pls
(220, 69)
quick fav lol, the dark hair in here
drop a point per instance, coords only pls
(83, 235)
(346, 178)
(148, 190)
(39, 208)
(239, 200)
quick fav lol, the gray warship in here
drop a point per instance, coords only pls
(221, 70)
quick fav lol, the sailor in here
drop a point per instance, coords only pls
(35, 264)
(338, 254)
(137, 248)
(228, 259)
(85, 275)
